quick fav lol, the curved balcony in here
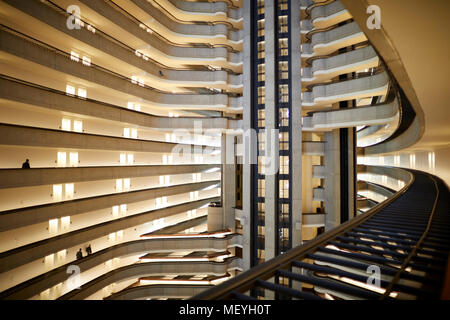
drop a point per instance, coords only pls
(16, 178)
(329, 14)
(33, 94)
(40, 283)
(161, 50)
(115, 55)
(159, 291)
(213, 12)
(347, 118)
(20, 256)
(126, 30)
(140, 270)
(217, 35)
(362, 87)
(306, 26)
(31, 136)
(58, 61)
(323, 69)
(326, 42)
(406, 238)
(382, 192)
(41, 214)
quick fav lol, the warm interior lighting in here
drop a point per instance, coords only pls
(65, 223)
(78, 124)
(126, 184)
(73, 158)
(397, 160)
(49, 260)
(126, 132)
(134, 133)
(130, 158)
(70, 90)
(66, 124)
(190, 236)
(431, 161)
(412, 160)
(123, 209)
(57, 192)
(61, 159)
(90, 28)
(220, 258)
(86, 61)
(69, 191)
(53, 226)
(61, 255)
(74, 56)
(119, 185)
(122, 159)
(112, 237)
(115, 211)
(181, 282)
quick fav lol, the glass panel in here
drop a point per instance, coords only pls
(283, 26)
(283, 45)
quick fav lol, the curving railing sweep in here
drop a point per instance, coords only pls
(405, 238)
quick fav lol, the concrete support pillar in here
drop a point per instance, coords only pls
(272, 144)
(228, 181)
(296, 114)
(272, 147)
(352, 176)
(215, 219)
(307, 187)
(332, 180)
(296, 129)
(247, 143)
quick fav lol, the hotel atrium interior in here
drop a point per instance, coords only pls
(224, 149)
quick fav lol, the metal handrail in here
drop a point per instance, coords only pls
(312, 32)
(60, 10)
(316, 4)
(229, 24)
(415, 248)
(62, 93)
(68, 55)
(309, 61)
(266, 270)
(139, 22)
(356, 76)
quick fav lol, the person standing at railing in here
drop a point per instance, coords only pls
(89, 250)
(79, 254)
(26, 164)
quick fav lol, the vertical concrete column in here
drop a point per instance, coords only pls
(332, 180)
(296, 114)
(247, 143)
(296, 129)
(271, 146)
(307, 178)
(272, 141)
(228, 181)
(307, 186)
(351, 173)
